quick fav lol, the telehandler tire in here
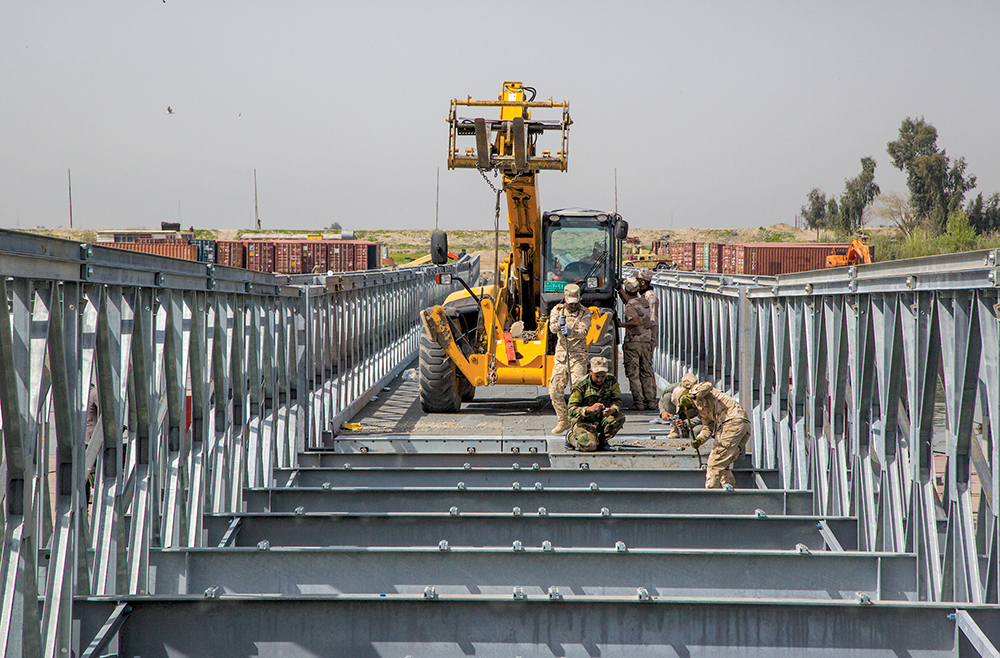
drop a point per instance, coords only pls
(439, 380)
(466, 388)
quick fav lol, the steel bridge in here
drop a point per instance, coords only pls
(218, 510)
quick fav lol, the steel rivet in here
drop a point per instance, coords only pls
(585, 466)
(519, 594)
(643, 594)
(620, 546)
(263, 545)
(605, 511)
(535, 467)
(542, 511)
(538, 486)
(347, 466)
(516, 466)
(453, 511)
(593, 486)
(467, 466)
(461, 486)
(517, 545)
(443, 545)
(326, 485)
(517, 511)
(546, 545)
(300, 510)
(554, 594)
(429, 593)
(516, 486)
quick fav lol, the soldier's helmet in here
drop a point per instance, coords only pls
(701, 389)
(571, 293)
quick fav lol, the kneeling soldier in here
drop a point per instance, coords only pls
(595, 408)
(677, 407)
(723, 415)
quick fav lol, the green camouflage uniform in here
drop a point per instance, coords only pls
(591, 430)
(671, 404)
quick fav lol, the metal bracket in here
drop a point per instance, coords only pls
(230, 537)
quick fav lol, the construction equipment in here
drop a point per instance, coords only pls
(856, 253)
(498, 334)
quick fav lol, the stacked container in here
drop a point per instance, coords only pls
(288, 257)
(260, 255)
(206, 250)
(683, 254)
(229, 253)
(170, 248)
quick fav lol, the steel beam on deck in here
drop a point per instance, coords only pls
(422, 459)
(566, 501)
(504, 478)
(464, 626)
(532, 529)
(594, 572)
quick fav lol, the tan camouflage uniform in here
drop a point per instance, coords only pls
(637, 354)
(571, 355)
(723, 415)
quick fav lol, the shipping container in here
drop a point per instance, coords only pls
(229, 253)
(774, 258)
(259, 255)
(288, 257)
(169, 248)
(206, 250)
(320, 252)
(683, 255)
(715, 257)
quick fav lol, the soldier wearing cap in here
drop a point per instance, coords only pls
(645, 277)
(637, 347)
(570, 321)
(676, 401)
(595, 408)
(724, 416)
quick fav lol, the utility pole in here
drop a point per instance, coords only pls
(437, 199)
(616, 190)
(255, 215)
(69, 179)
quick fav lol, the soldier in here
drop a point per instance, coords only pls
(676, 401)
(645, 276)
(570, 321)
(724, 416)
(595, 409)
(637, 348)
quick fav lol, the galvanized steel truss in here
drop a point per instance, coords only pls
(839, 370)
(271, 363)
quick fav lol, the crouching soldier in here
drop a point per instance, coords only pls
(722, 415)
(595, 408)
(677, 407)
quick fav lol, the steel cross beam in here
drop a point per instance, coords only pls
(610, 627)
(504, 477)
(532, 529)
(728, 574)
(615, 501)
(422, 459)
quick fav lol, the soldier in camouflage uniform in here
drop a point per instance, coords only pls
(570, 321)
(724, 416)
(637, 347)
(676, 401)
(595, 409)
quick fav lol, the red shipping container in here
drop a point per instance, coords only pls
(288, 257)
(772, 259)
(360, 256)
(309, 249)
(229, 253)
(715, 258)
(260, 255)
(682, 254)
(169, 248)
(320, 250)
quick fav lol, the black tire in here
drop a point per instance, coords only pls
(465, 387)
(661, 266)
(439, 380)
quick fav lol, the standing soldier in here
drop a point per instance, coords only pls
(636, 348)
(724, 416)
(645, 277)
(570, 321)
(595, 409)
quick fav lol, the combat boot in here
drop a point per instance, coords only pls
(674, 434)
(561, 427)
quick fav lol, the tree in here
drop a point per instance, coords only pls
(814, 212)
(984, 217)
(892, 208)
(959, 236)
(935, 189)
(859, 192)
(335, 226)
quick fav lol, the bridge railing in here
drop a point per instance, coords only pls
(190, 381)
(874, 386)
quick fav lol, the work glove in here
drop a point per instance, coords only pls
(702, 437)
(562, 320)
(564, 330)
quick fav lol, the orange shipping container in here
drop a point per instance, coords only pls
(288, 257)
(229, 253)
(170, 248)
(260, 255)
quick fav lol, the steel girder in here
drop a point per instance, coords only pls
(838, 370)
(529, 527)
(138, 331)
(615, 501)
(502, 626)
(507, 478)
(722, 574)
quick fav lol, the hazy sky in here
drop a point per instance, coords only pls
(715, 114)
